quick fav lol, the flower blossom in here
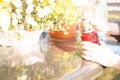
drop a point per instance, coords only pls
(45, 11)
(30, 8)
(29, 1)
(18, 11)
(14, 19)
(80, 2)
(4, 20)
(17, 3)
(51, 1)
(7, 1)
(30, 20)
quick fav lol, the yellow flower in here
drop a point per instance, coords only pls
(38, 8)
(1, 1)
(55, 59)
(55, 15)
(60, 7)
(17, 67)
(39, 77)
(65, 55)
(69, 68)
(45, 2)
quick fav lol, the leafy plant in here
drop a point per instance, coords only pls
(41, 14)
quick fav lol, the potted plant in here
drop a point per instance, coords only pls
(63, 26)
(64, 16)
(58, 17)
(53, 15)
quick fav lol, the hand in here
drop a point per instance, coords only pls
(99, 53)
(114, 29)
(109, 28)
(99, 27)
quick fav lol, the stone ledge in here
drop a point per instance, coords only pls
(89, 71)
(18, 38)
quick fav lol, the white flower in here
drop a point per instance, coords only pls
(51, 1)
(23, 77)
(21, 27)
(33, 60)
(29, 19)
(14, 21)
(41, 0)
(18, 11)
(34, 23)
(17, 3)
(19, 16)
(4, 20)
(45, 11)
(29, 1)
(30, 8)
(8, 1)
(80, 2)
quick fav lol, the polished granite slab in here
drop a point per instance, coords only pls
(36, 57)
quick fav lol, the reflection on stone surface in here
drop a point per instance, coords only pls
(68, 45)
(26, 54)
(38, 60)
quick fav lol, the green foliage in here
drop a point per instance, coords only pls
(41, 14)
